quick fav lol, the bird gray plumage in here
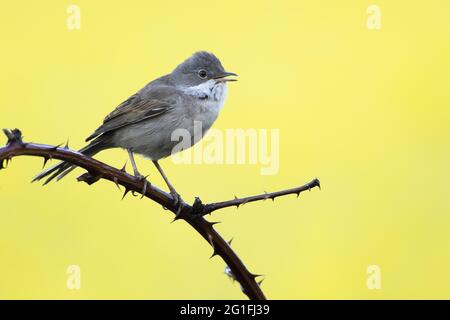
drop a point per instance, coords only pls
(194, 91)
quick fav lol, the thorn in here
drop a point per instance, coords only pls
(213, 254)
(124, 167)
(116, 181)
(66, 146)
(230, 241)
(45, 161)
(237, 204)
(125, 193)
(177, 217)
(211, 224)
(1, 164)
(298, 194)
(273, 198)
(255, 275)
(260, 281)
(56, 147)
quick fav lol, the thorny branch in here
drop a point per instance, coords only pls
(236, 202)
(193, 215)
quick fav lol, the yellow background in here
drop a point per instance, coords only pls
(365, 111)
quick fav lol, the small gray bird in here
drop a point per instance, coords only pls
(143, 124)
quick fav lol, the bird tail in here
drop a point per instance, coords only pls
(60, 170)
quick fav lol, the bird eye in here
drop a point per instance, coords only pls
(202, 74)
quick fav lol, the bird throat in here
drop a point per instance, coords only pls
(209, 90)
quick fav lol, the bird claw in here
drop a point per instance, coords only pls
(144, 189)
(146, 183)
(176, 202)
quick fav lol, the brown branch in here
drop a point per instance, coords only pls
(193, 215)
(236, 202)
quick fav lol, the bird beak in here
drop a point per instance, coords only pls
(223, 77)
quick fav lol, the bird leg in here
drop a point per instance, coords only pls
(173, 192)
(136, 172)
(133, 164)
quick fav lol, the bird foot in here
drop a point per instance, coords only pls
(142, 179)
(177, 202)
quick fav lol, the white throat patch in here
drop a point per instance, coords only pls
(208, 90)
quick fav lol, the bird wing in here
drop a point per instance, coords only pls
(132, 110)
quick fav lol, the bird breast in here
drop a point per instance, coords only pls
(209, 99)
